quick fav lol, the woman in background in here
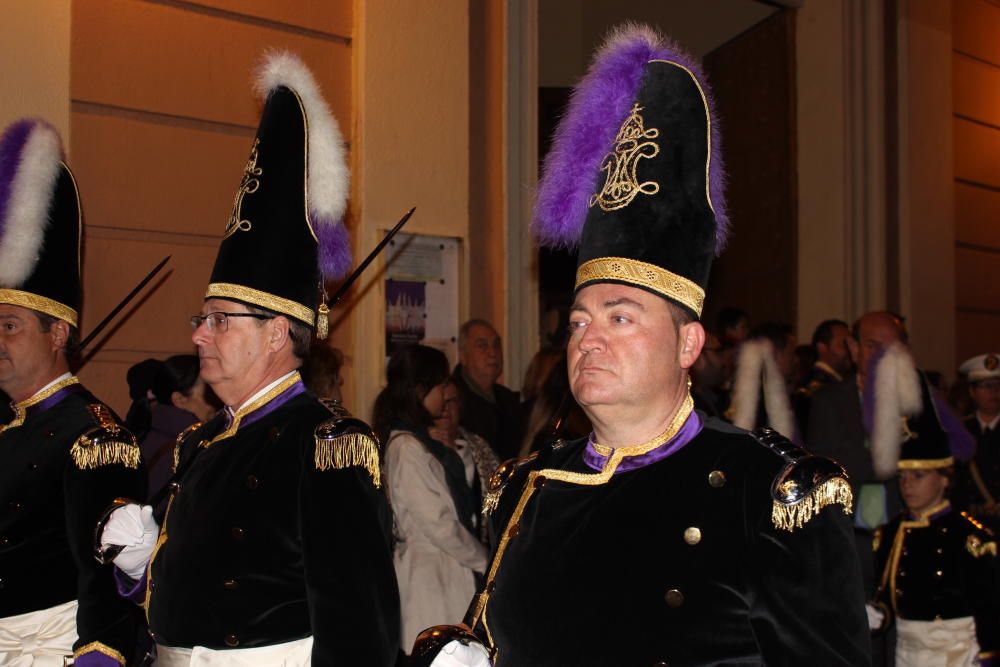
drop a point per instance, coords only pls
(434, 498)
(167, 397)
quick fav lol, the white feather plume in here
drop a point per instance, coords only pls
(897, 395)
(328, 183)
(757, 365)
(28, 207)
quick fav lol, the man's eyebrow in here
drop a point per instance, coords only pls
(624, 301)
(16, 318)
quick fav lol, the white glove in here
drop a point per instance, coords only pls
(457, 654)
(876, 617)
(133, 527)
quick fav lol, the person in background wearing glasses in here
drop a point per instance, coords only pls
(274, 548)
(63, 453)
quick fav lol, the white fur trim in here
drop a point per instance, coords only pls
(756, 365)
(329, 179)
(897, 395)
(28, 208)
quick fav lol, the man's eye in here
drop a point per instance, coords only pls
(619, 319)
(576, 326)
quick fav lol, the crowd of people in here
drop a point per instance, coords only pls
(660, 492)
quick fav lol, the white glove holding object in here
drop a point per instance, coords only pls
(133, 527)
(457, 654)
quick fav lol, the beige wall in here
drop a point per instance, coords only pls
(34, 50)
(162, 119)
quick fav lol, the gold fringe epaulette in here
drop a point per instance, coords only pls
(834, 491)
(346, 443)
(108, 444)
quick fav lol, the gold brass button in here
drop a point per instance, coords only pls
(674, 598)
(238, 533)
(692, 535)
(716, 479)
(232, 640)
(231, 584)
(514, 530)
(252, 482)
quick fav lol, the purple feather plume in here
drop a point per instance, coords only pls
(11, 146)
(334, 248)
(597, 108)
(961, 442)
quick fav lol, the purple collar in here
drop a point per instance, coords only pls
(42, 402)
(261, 407)
(692, 427)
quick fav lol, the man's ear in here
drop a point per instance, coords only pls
(59, 333)
(280, 328)
(690, 340)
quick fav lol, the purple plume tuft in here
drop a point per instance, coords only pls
(11, 147)
(597, 108)
(334, 248)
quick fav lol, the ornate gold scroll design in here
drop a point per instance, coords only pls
(248, 185)
(632, 144)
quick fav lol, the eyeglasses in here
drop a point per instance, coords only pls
(218, 322)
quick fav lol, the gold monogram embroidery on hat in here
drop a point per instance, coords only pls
(249, 185)
(622, 184)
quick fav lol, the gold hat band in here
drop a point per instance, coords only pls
(642, 274)
(925, 464)
(262, 299)
(40, 303)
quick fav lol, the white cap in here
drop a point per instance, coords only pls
(983, 367)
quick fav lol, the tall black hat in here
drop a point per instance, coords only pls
(40, 223)
(926, 444)
(634, 175)
(285, 234)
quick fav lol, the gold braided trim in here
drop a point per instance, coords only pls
(925, 464)
(21, 409)
(179, 442)
(708, 129)
(348, 451)
(262, 299)
(255, 405)
(100, 648)
(834, 491)
(643, 274)
(687, 406)
(40, 303)
(89, 452)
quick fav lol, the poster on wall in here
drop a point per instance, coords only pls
(422, 293)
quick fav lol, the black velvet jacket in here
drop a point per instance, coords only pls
(48, 508)
(676, 563)
(943, 565)
(260, 546)
(978, 481)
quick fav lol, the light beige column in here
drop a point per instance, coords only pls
(411, 122)
(926, 190)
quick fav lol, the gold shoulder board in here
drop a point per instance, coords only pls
(498, 482)
(107, 444)
(345, 442)
(181, 437)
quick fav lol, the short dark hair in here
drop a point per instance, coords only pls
(824, 332)
(779, 334)
(680, 316)
(728, 318)
(463, 331)
(298, 332)
(72, 350)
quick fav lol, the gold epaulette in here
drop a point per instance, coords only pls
(805, 485)
(975, 544)
(107, 444)
(181, 437)
(345, 442)
(499, 479)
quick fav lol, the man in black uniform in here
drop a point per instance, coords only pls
(980, 477)
(273, 550)
(63, 454)
(833, 364)
(937, 566)
(664, 537)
